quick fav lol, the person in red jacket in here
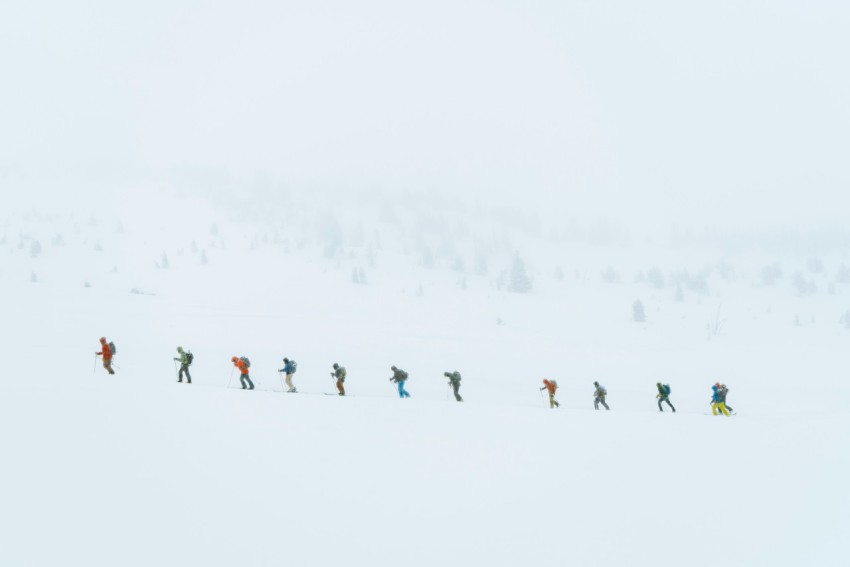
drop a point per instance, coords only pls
(106, 354)
(552, 386)
(243, 373)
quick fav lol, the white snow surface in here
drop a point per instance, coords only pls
(136, 469)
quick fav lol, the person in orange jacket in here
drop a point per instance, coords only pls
(552, 386)
(106, 354)
(242, 365)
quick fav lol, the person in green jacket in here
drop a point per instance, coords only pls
(664, 396)
(454, 382)
(185, 360)
(400, 377)
(339, 374)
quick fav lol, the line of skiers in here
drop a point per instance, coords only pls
(400, 377)
(718, 398)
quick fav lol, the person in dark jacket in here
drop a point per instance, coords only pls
(339, 374)
(663, 396)
(184, 359)
(599, 396)
(724, 391)
(400, 377)
(454, 382)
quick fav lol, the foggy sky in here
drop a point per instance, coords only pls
(691, 111)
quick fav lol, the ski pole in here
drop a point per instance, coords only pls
(280, 374)
(94, 368)
(231, 377)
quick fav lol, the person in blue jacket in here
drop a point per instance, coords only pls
(717, 403)
(289, 368)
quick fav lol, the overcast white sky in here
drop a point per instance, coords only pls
(696, 111)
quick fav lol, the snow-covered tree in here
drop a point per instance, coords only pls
(519, 282)
(638, 312)
(610, 275)
(771, 273)
(656, 278)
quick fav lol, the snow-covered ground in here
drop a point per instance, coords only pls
(136, 469)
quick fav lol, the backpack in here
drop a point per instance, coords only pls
(666, 389)
(293, 366)
(245, 360)
(189, 357)
(112, 348)
(554, 383)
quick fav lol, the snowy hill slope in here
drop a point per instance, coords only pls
(137, 470)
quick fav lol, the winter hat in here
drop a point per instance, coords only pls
(103, 339)
(180, 349)
(393, 368)
(596, 383)
(286, 360)
(234, 359)
(336, 365)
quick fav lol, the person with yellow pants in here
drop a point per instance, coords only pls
(552, 387)
(717, 402)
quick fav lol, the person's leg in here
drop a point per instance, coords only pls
(456, 387)
(250, 384)
(670, 404)
(341, 387)
(722, 407)
(602, 400)
(596, 403)
(551, 401)
(659, 404)
(107, 363)
(242, 381)
(729, 408)
(713, 408)
(188, 376)
(289, 382)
